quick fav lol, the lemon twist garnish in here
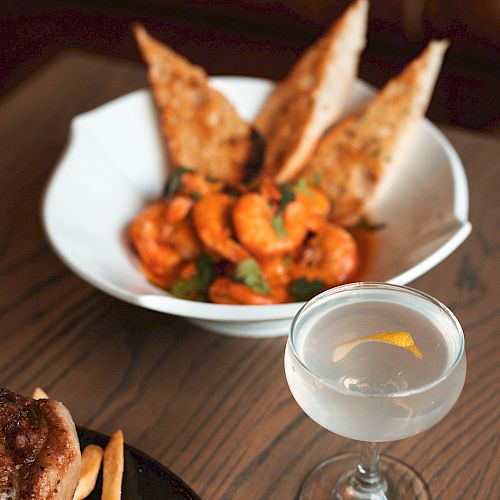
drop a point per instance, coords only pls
(398, 339)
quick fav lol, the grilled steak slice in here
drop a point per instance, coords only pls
(39, 449)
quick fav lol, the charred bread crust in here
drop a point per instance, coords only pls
(201, 127)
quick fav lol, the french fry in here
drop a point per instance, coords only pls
(39, 393)
(113, 463)
(91, 463)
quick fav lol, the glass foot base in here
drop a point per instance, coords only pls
(333, 480)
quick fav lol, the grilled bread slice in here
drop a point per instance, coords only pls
(202, 129)
(354, 157)
(312, 95)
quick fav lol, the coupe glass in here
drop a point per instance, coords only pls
(373, 389)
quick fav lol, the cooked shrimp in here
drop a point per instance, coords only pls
(253, 222)
(160, 281)
(147, 232)
(162, 245)
(270, 189)
(183, 239)
(194, 183)
(187, 271)
(177, 207)
(225, 291)
(211, 217)
(280, 294)
(313, 199)
(275, 269)
(330, 256)
(316, 204)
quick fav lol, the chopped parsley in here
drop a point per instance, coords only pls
(287, 196)
(195, 288)
(302, 186)
(278, 225)
(303, 289)
(174, 182)
(187, 289)
(366, 225)
(248, 272)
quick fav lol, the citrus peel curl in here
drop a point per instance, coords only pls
(398, 339)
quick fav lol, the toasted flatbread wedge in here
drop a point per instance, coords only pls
(202, 129)
(354, 157)
(312, 95)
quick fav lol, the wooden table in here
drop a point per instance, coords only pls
(215, 410)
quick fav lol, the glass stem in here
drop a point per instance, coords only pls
(367, 472)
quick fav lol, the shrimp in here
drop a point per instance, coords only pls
(178, 207)
(159, 281)
(280, 294)
(253, 218)
(187, 271)
(194, 183)
(146, 233)
(225, 291)
(183, 239)
(275, 269)
(211, 217)
(330, 256)
(313, 199)
(317, 206)
(162, 245)
(270, 189)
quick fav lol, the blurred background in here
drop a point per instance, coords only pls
(264, 37)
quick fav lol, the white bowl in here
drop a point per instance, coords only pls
(115, 163)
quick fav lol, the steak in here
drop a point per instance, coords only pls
(39, 449)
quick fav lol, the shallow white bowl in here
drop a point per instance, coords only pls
(115, 163)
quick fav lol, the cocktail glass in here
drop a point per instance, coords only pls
(373, 390)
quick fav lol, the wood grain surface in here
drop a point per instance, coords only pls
(215, 410)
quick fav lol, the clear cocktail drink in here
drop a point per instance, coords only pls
(375, 362)
(372, 391)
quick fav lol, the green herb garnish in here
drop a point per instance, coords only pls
(278, 225)
(195, 288)
(174, 182)
(196, 196)
(248, 272)
(186, 289)
(303, 289)
(366, 225)
(302, 186)
(287, 196)
(316, 180)
(206, 269)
